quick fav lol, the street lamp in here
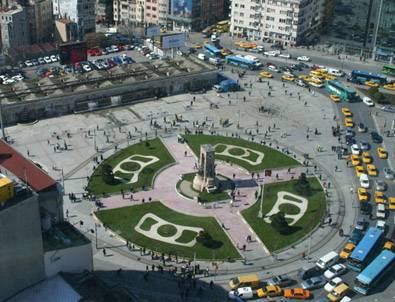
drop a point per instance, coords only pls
(260, 214)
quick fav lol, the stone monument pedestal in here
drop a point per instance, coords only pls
(205, 178)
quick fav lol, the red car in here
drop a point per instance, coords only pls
(111, 63)
(120, 47)
(94, 52)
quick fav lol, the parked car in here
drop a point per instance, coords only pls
(47, 60)
(28, 63)
(313, 283)
(41, 60)
(53, 58)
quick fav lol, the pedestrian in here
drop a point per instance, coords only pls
(335, 168)
(67, 213)
(104, 252)
(307, 136)
(212, 284)
(146, 268)
(244, 247)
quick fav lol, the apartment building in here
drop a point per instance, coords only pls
(164, 11)
(127, 12)
(14, 27)
(82, 12)
(287, 22)
(41, 20)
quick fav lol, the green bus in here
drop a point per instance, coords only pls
(345, 93)
(389, 70)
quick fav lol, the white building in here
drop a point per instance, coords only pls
(128, 12)
(81, 12)
(287, 22)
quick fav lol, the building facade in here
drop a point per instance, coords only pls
(129, 12)
(41, 21)
(287, 22)
(384, 35)
(66, 30)
(82, 12)
(14, 27)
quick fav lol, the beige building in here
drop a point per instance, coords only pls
(287, 22)
(66, 30)
(129, 12)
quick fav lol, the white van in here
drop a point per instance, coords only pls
(201, 56)
(335, 72)
(327, 260)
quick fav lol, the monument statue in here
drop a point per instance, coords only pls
(205, 177)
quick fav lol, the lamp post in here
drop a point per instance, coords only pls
(1, 120)
(260, 214)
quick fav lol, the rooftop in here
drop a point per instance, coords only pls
(24, 169)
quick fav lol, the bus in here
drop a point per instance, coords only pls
(361, 76)
(374, 272)
(242, 62)
(211, 50)
(339, 89)
(365, 249)
(389, 70)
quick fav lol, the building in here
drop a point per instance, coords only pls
(287, 22)
(163, 12)
(36, 243)
(82, 12)
(14, 27)
(384, 34)
(66, 30)
(41, 21)
(188, 15)
(129, 12)
(104, 11)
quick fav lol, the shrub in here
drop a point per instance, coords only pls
(107, 174)
(302, 186)
(280, 224)
(205, 239)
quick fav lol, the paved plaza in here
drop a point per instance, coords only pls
(292, 119)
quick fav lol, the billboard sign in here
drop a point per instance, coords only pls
(152, 31)
(71, 53)
(181, 8)
(173, 41)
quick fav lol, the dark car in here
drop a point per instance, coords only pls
(309, 271)
(313, 283)
(281, 280)
(376, 138)
(355, 236)
(303, 65)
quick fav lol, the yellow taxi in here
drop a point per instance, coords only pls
(316, 73)
(390, 86)
(197, 46)
(347, 250)
(347, 112)
(372, 170)
(265, 74)
(304, 77)
(338, 293)
(287, 77)
(389, 245)
(382, 153)
(335, 98)
(348, 122)
(355, 160)
(366, 158)
(363, 195)
(379, 197)
(391, 203)
(359, 170)
(269, 291)
(372, 84)
(329, 77)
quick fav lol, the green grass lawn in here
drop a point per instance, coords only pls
(156, 148)
(273, 159)
(269, 236)
(123, 220)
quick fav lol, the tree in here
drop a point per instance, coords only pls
(96, 40)
(302, 186)
(279, 223)
(107, 174)
(205, 239)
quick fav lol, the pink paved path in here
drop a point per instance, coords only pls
(165, 191)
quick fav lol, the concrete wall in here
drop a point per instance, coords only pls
(70, 260)
(52, 202)
(21, 247)
(68, 103)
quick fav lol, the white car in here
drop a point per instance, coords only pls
(303, 58)
(380, 211)
(272, 68)
(53, 58)
(8, 81)
(272, 53)
(47, 60)
(86, 68)
(242, 292)
(330, 286)
(28, 63)
(380, 224)
(285, 55)
(334, 271)
(355, 150)
(364, 181)
(368, 101)
(345, 299)
(18, 77)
